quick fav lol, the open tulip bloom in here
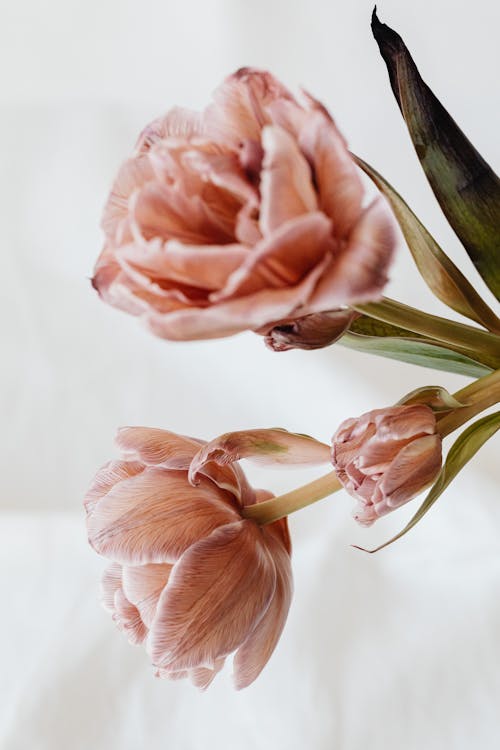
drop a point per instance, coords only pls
(253, 215)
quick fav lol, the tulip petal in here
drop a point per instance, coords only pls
(413, 469)
(309, 332)
(286, 180)
(111, 582)
(283, 258)
(217, 593)
(253, 655)
(240, 108)
(359, 274)
(106, 478)
(266, 446)
(177, 123)
(337, 177)
(252, 311)
(128, 619)
(133, 175)
(201, 677)
(156, 447)
(142, 585)
(155, 516)
(203, 266)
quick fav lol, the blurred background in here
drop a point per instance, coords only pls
(394, 650)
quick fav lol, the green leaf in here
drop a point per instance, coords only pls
(460, 453)
(434, 396)
(466, 187)
(386, 340)
(439, 272)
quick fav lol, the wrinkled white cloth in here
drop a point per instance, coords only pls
(398, 649)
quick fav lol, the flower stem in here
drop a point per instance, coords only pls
(278, 507)
(477, 397)
(481, 344)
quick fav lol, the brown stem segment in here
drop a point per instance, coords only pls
(477, 397)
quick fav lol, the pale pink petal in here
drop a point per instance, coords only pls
(128, 619)
(111, 582)
(156, 516)
(106, 478)
(283, 258)
(201, 677)
(177, 123)
(360, 272)
(240, 108)
(142, 585)
(217, 593)
(223, 170)
(413, 469)
(227, 318)
(286, 181)
(133, 174)
(253, 655)
(165, 211)
(156, 447)
(339, 183)
(204, 266)
(266, 446)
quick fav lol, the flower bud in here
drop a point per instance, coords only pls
(386, 457)
(309, 332)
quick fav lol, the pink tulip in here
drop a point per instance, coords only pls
(386, 457)
(191, 578)
(247, 214)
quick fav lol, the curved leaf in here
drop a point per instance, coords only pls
(466, 187)
(460, 453)
(434, 396)
(439, 272)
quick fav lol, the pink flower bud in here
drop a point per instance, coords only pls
(241, 216)
(191, 578)
(386, 457)
(310, 332)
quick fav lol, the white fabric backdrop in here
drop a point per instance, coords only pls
(394, 650)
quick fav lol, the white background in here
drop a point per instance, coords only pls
(395, 650)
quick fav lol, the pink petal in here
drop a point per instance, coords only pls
(204, 266)
(286, 184)
(240, 108)
(156, 447)
(128, 619)
(156, 516)
(337, 177)
(111, 582)
(250, 312)
(283, 258)
(360, 273)
(201, 677)
(217, 593)
(106, 478)
(133, 174)
(413, 469)
(308, 332)
(142, 585)
(177, 123)
(266, 446)
(253, 655)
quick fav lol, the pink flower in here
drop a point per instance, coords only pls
(192, 578)
(246, 214)
(386, 457)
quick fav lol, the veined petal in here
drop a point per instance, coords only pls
(413, 469)
(217, 593)
(111, 582)
(106, 478)
(156, 447)
(253, 655)
(337, 177)
(267, 446)
(155, 516)
(133, 174)
(201, 677)
(177, 123)
(359, 274)
(142, 585)
(286, 180)
(204, 266)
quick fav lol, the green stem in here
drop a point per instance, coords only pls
(477, 396)
(479, 344)
(278, 507)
